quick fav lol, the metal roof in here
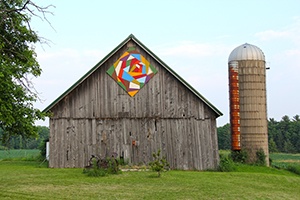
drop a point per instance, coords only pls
(246, 52)
(132, 37)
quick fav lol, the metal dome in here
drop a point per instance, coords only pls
(246, 52)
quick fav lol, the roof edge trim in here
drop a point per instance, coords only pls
(132, 37)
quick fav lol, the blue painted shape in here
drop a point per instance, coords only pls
(126, 69)
(137, 56)
(127, 77)
(142, 80)
(144, 69)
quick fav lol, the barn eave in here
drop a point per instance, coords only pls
(132, 37)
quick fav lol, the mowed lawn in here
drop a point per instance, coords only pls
(29, 180)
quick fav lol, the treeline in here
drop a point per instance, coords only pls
(283, 135)
(20, 142)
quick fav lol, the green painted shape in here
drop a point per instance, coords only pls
(111, 70)
(128, 62)
(131, 49)
(122, 85)
(154, 70)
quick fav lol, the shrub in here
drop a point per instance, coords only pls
(42, 148)
(113, 166)
(94, 169)
(261, 157)
(122, 161)
(102, 167)
(226, 164)
(239, 156)
(159, 164)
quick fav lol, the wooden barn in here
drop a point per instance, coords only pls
(131, 104)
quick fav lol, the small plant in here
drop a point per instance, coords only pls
(159, 164)
(226, 164)
(113, 166)
(261, 157)
(102, 167)
(94, 169)
(122, 161)
(239, 156)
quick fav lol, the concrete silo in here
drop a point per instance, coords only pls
(247, 93)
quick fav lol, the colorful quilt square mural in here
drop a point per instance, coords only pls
(132, 71)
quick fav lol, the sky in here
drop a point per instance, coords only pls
(193, 37)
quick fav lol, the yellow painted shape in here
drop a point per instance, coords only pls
(132, 93)
(116, 63)
(124, 54)
(135, 81)
(135, 73)
(132, 68)
(146, 62)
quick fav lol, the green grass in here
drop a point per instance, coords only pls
(19, 154)
(28, 180)
(286, 161)
(21, 179)
(285, 157)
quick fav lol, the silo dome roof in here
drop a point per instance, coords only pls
(246, 52)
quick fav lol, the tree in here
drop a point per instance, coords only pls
(224, 137)
(20, 142)
(272, 146)
(283, 136)
(18, 65)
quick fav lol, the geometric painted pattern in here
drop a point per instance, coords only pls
(132, 71)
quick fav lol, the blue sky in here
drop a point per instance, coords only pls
(193, 37)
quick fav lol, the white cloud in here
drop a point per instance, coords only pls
(271, 34)
(193, 49)
(289, 33)
(61, 69)
(68, 54)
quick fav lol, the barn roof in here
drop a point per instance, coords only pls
(132, 37)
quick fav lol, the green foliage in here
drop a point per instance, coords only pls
(224, 137)
(20, 142)
(239, 156)
(24, 154)
(122, 161)
(113, 166)
(261, 157)
(42, 148)
(95, 170)
(99, 167)
(226, 164)
(283, 135)
(272, 146)
(285, 157)
(18, 65)
(159, 163)
(294, 168)
(290, 162)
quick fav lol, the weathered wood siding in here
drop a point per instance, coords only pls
(98, 117)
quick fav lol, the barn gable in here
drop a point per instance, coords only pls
(149, 107)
